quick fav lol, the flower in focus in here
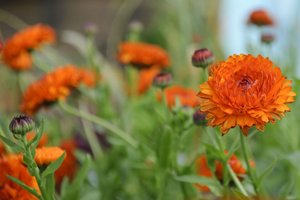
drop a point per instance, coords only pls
(187, 97)
(145, 79)
(54, 86)
(245, 91)
(11, 165)
(203, 169)
(142, 55)
(260, 17)
(69, 165)
(16, 51)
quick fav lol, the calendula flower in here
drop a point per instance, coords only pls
(245, 91)
(43, 141)
(260, 17)
(69, 165)
(11, 165)
(145, 79)
(187, 97)
(54, 86)
(203, 169)
(16, 51)
(142, 55)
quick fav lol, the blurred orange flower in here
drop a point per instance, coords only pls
(43, 141)
(46, 155)
(203, 169)
(142, 55)
(245, 91)
(145, 79)
(187, 97)
(69, 166)
(55, 85)
(16, 51)
(260, 17)
(11, 165)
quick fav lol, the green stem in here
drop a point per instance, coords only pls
(236, 180)
(32, 167)
(97, 120)
(249, 168)
(91, 135)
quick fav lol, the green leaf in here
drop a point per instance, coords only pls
(266, 172)
(53, 166)
(24, 186)
(212, 183)
(35, 141)
(72, 190)
(50, 186)
(15, 147)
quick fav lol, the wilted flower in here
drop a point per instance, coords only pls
(142, 55)
(55, 85)
(16, 51)
(202, 58)
(20, 125)
(245, 91)
(260, 17)
(187, 97)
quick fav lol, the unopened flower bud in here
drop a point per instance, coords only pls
(90, 28)
(20, 125)
(199, 118)
(202, 58)
(267, 38)
(162, 80)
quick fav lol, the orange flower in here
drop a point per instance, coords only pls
(142, 55)
(69, 166)
(54, 86)
(260, 18)
(187, 97)
(245, 91)
(46, 155)
(203, 169)
(145, 79)
(11, 165)
(16, 51)
(2, 149)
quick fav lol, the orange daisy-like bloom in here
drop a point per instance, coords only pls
(46, 155)
(43, 141)
(203, 169)
(146, 77)
(55, 85)
(11, 165)
(16, 51)
(245, 91)
(260, 18)
(142, 55)
(69, 166)
(187, 97)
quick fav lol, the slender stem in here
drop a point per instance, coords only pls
(236, 180)
(90, 135)
(249, 168)
(99, 121)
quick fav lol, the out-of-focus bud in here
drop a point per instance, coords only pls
(20, 125)
(162, 80)
(202, 58)
(91, 28)
(199, 118)
(260, 17)
(267, 38)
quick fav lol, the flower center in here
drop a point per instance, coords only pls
(245, 83)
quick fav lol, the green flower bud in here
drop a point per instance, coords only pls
(20, 125)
